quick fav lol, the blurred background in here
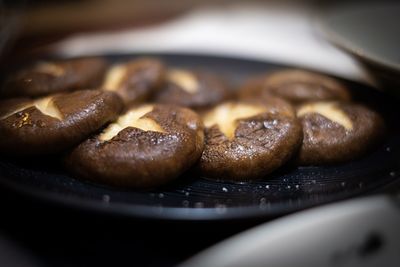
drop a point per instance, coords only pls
(282, 31)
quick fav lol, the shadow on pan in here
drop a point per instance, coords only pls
(193, 198)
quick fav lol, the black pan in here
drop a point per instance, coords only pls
(194, 198)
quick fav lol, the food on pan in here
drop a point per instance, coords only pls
(296, 86)
(54, 123)
(148, 146)
(249, 139)
(196, 90)
(288, 114)
(49, 77)
(135, 81)
(336, 132)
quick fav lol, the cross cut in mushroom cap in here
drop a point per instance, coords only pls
(135, 81)
(133, 118)
(55, 123)
(184, 79)
(330, 110)
(247, 140)
(154, 145)
(225, 116)
(45, 105)
(46, 78)
(115, 77)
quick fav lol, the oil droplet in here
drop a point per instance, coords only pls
(267, 124)
(343, 184)
(161, 195)
(388, 149)
(192, 125)
(297, 186)
(267, 186)
(185, 203)
(392, 174)
(288, 187)
(187, 193)
(225, 189)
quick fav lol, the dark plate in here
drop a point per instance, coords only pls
(193, 198)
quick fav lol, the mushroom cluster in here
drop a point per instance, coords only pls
(141, 124)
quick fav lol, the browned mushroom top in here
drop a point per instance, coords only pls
(296, 86)
(147, 146)
(247, 140)
(197, 90)
(335, 132)
(49, 77)
(54, 123)
(135, 81)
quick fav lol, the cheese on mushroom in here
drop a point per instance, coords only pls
(133, 118)
(114, 77)
(44, 105)
(184, 79)
(329, 110)
(50, 68)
